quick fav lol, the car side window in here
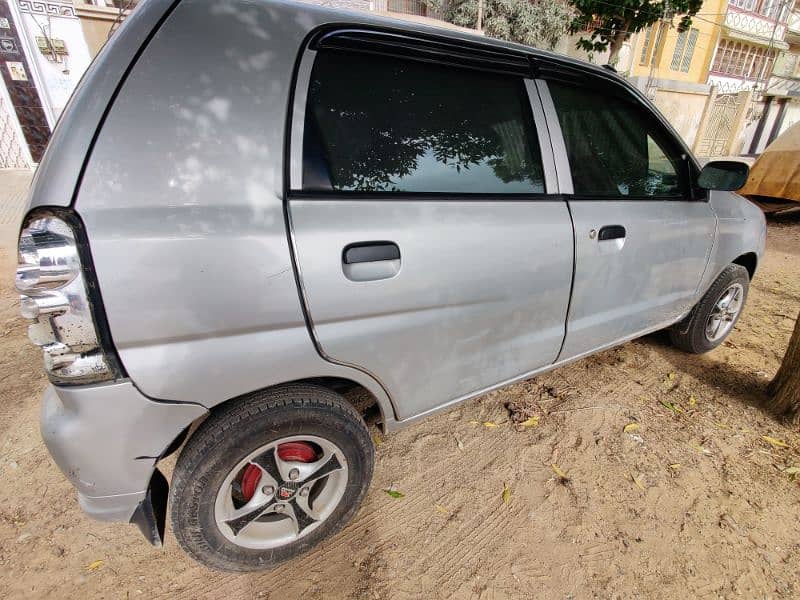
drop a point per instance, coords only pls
(616, 148)
(386, 124)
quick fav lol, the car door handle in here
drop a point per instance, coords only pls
(611, 232)
(370, 261)
(370, 252)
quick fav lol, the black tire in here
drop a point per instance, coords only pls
(690, 334)
(240, 427)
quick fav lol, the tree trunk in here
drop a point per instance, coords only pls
(616, 45)
(784, 390)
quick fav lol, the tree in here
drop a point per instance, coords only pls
(539, 23)
(784, 390)
(613, 21)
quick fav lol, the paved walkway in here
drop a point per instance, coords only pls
(13, 193)
(13, 201)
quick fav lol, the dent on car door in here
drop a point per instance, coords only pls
(642, 241)
(430, 253)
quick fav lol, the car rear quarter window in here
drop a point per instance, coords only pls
(385, 124)
(616, 148)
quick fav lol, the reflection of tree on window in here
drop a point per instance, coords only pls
(385, 124)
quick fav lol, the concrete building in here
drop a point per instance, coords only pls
(99, 17)
(753, 33)
(782, 89)
(662, 52)
(43, 55)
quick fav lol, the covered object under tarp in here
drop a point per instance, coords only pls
(776, 173)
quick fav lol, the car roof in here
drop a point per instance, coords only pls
(346, 17)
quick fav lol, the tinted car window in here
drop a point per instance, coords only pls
(384, 124)
(615, 147)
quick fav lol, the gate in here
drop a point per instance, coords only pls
(721, 126)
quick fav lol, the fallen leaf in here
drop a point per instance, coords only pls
(692, 400)
(700, 448)
(675, 466)
(506, 494)
(395, 493)
(377, 439)
(775, 442)
(531, 422)
(561, 475)
(489, 424)
(474, 422)
(441, 509)
(792, 470)
(630, 427)
(638, 483)
(671, 406)
(93, 566)
(459, 443)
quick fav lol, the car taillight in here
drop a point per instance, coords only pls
(54, 296)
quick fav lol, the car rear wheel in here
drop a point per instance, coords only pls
(269, 476)
(715, 316)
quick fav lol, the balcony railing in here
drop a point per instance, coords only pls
(794, 22)
(754, 25)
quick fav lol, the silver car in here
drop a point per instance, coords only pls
(253, 212)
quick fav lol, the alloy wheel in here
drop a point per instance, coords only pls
(281, 492)
(726, 310)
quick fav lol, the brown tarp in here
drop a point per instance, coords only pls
(776, 173)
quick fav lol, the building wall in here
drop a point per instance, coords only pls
(13, 149)
(96, 22)
(792, 115)
(707, 26)
(567, 45)
(683, 104)
(21, 83)
(56, 19)
(683, 109)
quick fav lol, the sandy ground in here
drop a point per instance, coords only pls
(693, 502)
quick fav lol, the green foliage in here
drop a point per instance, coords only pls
(539, 23)
(612, 21)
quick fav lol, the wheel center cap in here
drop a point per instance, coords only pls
(287, 490)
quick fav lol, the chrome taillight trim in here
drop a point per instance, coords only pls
(60, 297)
(47, 256)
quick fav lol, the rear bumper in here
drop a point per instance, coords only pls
(106, 439)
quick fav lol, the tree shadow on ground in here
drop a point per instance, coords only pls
(748, 387)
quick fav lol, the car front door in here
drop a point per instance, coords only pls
(642, 241)
(432, 248)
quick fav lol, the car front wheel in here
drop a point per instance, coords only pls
(269, 476)
(715, 316)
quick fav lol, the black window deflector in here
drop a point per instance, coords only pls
(427, 48)
(370, 252)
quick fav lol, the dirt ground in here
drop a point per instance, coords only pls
(693, 502)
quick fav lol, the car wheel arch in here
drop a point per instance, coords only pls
(749, 261)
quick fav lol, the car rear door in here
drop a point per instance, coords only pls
(432, 247)
(642, 235)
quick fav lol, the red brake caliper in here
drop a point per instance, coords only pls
(290, 451)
